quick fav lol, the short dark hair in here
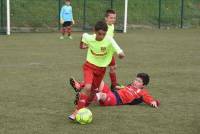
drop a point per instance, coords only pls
(109, 11)
(101, 25)
(145, 78)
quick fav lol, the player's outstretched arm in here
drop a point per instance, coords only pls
(119, 51)
(83, 44)
(154, 104)
(121, 55)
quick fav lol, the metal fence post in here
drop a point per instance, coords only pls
(111, 4)
(84, 14)
(182, 12)
(59, 8)
(159, 13)
(1, 17)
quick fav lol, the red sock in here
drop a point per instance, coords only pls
(82, 84)
(113, 79)
(69, 30)
(82, 102)
(62, 31)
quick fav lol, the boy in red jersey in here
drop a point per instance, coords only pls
(132, 94)
(100, 51)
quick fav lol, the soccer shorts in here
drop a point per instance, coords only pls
(93, 74)
(67, 23)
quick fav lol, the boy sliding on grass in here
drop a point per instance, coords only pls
(132, 94)
(100, 51)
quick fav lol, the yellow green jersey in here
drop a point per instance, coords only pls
(100, 52)
(111, 29)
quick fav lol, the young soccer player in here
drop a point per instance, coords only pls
(66, 19)
(131, 94)
(110, 18)
(100, 51)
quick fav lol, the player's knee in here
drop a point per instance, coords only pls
(103, 96)
(87, 89)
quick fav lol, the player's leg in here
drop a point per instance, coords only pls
(113, 77)
(106, 99)
(97, 81)
(77, 86)
(63, 30)
(83, 96)
(112, 73)
(69, 29)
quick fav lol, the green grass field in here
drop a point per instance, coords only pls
(34, 98)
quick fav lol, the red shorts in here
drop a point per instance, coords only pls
(110, 99)
(93, 75)
(112, 63)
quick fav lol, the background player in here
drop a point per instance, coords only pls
(66, 19)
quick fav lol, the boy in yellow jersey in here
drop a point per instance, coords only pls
(110, 18)
(100, 51)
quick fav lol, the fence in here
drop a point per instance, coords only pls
(38, 15)
(2, 16)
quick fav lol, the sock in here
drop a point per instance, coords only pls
(82, 102)
(113, 79)
(63, 31)
(69, 30)
(98, 96)
(82, 84)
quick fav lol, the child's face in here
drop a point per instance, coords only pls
(138, 83)
(100, 35)
(110, 19)
(67, 3)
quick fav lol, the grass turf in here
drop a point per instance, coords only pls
(35, 99)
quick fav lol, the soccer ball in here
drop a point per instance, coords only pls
(84, 116)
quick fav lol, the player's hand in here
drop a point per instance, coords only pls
(73, 22)
(154, 104)
(61, 21)
(83, 46)
(121, 55)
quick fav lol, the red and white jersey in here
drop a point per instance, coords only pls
(129, 93)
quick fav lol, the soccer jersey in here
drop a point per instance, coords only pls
(100, 52)
(66, 13)
(129, 93)
(110, 31)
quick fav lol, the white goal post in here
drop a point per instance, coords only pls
(125, 16)
(8, 17)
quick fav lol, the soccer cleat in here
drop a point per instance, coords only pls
(72, 116)
(75, 84)
(61, 37)
(70, 37)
